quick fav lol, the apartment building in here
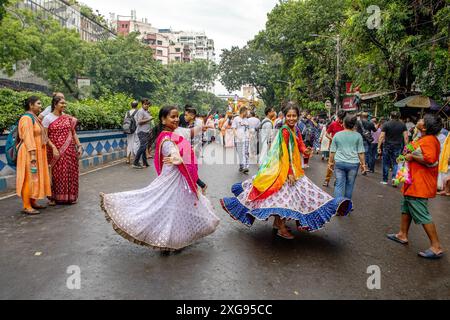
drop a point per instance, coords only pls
(69, 16)
(199, 45)
(169, 46)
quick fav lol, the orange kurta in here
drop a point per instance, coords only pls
(30, 135)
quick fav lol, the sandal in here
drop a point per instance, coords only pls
(204, 190)
(32, 212)
(52, 203)
(394, 238)
(325, 184)
(39, 207)
(429, 254)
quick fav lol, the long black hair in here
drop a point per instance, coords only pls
(55, 101)
(163, 113)
(28, 102)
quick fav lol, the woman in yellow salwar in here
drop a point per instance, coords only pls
(33, 178)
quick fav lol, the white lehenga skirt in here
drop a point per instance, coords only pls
(165, 215)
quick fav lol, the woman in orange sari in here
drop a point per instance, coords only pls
(65, 170)
(33, 179)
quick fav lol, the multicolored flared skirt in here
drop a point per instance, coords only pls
(304, 202)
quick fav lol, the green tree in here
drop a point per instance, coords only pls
(308, 62)
(54, 53)
(124, 65)
(3, 5)
(250, 66)
(188, 83)
(410, 46)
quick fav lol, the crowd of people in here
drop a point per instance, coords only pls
(281, 144)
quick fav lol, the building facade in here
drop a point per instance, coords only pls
(69, 16)
(168, 46)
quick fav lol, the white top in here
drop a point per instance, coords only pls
(184, 132)
(242, 128)
(49, 119)
(266, 132)
(254, 123)
(46, 112)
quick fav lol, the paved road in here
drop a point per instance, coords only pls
(234, 263)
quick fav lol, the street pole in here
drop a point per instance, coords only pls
(338, 73)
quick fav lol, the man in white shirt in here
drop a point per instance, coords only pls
(48, 110)
(266, 133)
(241, 128)
(254, 124)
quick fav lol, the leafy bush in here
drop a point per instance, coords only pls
(11, 105)
(106, 113)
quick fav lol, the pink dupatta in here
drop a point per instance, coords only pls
(189, 167)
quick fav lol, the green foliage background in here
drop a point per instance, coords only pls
(295, 56)
(122, 65)
(105, 113)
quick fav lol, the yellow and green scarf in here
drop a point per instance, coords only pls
(274, 170)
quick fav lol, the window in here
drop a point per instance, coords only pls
(160, 43)
(159, 52)
(177, 59)
(177, 49)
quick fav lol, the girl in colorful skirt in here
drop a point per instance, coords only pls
(282, 190)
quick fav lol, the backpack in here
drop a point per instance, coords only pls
(129, 124)
(263, 123)
(13, 142)
(366, 134)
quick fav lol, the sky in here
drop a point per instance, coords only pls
(228, 22)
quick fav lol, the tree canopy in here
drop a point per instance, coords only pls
(120, 65)
(406, 49)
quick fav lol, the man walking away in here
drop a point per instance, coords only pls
(144, 120)
(129, 128)
(254, 124)
(266, 132)
(394, 136)
(366, 129)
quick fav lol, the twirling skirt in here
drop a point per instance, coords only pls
(306, 203)
(165, 215)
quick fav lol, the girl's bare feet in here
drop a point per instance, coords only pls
(285, 234)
